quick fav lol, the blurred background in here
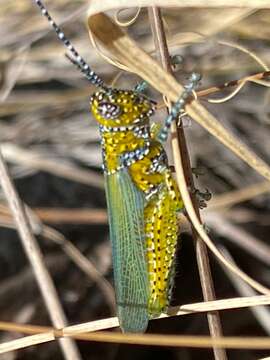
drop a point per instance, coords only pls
(51, 144)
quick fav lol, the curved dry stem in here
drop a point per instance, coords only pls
(228, 97)
(246, 51)
(128, 22)
(201, 38)
(199, 227)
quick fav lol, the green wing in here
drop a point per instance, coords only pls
(126, 220)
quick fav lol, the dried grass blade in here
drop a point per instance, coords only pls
(104, 5)
(127, 52)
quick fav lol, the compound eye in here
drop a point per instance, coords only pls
(109, 111)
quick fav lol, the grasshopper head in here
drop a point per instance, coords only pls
(117, 108)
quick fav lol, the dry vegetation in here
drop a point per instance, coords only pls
(51, 145)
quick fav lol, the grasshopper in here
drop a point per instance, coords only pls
(142, 197)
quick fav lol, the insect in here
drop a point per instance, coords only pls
(142, 197)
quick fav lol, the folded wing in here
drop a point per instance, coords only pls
(126, 220)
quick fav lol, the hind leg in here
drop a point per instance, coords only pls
(161, 230)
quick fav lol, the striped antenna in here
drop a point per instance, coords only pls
(178, 106)
(76, 58)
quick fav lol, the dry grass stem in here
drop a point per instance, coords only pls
(65, 215)
(74, 216)
(26, 341)
(151, 339)
(79, 331)
(232, 83)
(105, 5)
(35, 258)
(201, 251)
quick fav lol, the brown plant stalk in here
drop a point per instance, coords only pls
(201, 251)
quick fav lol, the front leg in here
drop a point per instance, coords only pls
(144, 172)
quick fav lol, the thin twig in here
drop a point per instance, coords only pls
(36, 260)
(64, 215)
(201, 251)
(232, 83)
(88, 332)
(227, 85)
(182, 310)
(72, 216)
